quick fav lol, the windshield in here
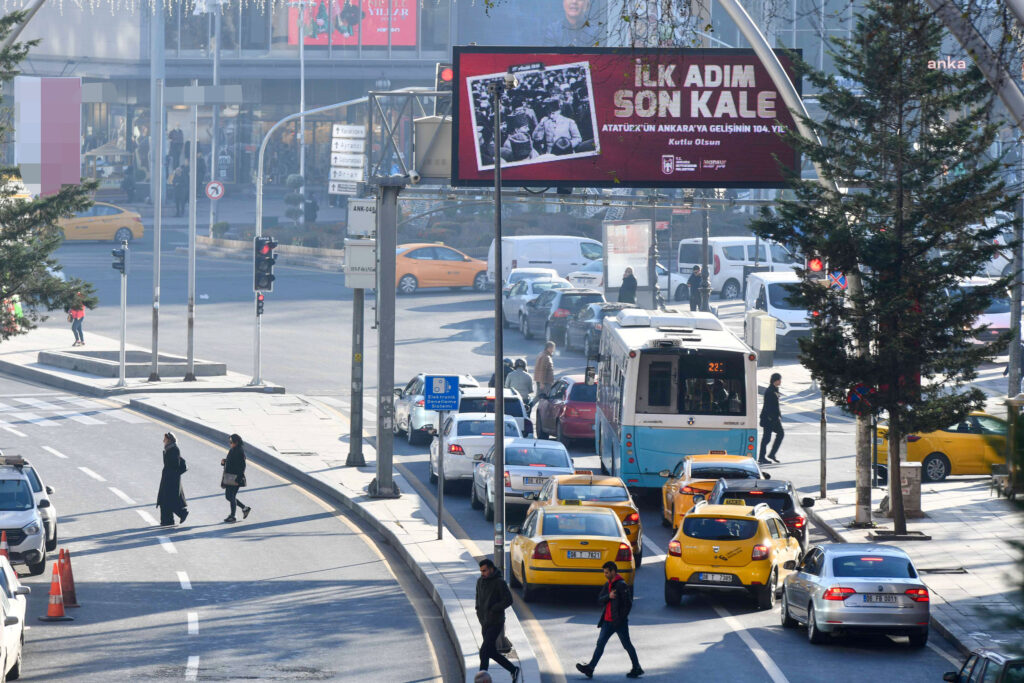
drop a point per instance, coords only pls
(33, 479)
(584, 393)
(698, 382)
(716, 471)
(485, 428)
(776, 501)
(719, 529)
(527, 456)
(873, 567)
(782, 255)
(593, 267)
(568, 524)
(602, 492)
(513, 408)
(15, 495)
(545, 286)
(779, 295)
(574, 302)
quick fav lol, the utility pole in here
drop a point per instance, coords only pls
(301, 6)
(156, 184)
(823, 448)
(190, 348)
(212, 165)
(355, 438)
(705, 275)
(121, 263)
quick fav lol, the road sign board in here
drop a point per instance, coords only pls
(342, 187)
(214, 189)
(341, 130)
(353, 175)
(344, 159)
(350, 145)
(837, 280)
(441, 392)
(362, 217)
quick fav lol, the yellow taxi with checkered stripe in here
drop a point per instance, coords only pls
(566, 545)
(594, 490)
(730, 547)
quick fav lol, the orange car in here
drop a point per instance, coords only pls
(696, 475)
(435, 265)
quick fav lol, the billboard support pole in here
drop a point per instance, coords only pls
(705, 275)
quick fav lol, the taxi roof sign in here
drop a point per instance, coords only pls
(15, 460)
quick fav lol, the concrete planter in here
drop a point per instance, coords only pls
(244, 245)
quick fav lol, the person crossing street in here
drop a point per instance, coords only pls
(234, 477)
(544, 369)
(170, 497)
(492, 599)
(520, 381)
(617, 599)
(771, 420)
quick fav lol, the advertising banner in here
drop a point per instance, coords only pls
(627, 246)
(346, 18)
(610, 117)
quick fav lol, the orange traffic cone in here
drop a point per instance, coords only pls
(67, 579)
(4, 550)
(55, 610)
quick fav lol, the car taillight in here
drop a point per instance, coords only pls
(760, 552)
(917, 594)
(838, 593)
(570, 411)
(625, 553)
(634, 518)
(912, 438)
(598, 326)
(689, 490)
(508, 481)
(718, 264)
(675, 549)
(419, 403)
(456, 449)
(796, 521)
(560, 313)
(542, 552)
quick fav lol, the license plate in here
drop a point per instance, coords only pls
(536, 481)
(584, 554)
(879, 598)
(734, 501)
(716, 578)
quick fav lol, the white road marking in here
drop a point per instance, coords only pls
(34, 419)
(186, 585)
(124, 416)
(14, 431)
(147, 518)
(80, 418)
(122, 495)
(92, 474)
(167, 545)
(945, 655)
(774, 672)
(192, 668)
(37, 404)
(54, 451)
(4, 406)
(193, 623)
(659, 556)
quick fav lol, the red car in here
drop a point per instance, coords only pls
(568, 410)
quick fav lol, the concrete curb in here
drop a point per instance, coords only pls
(949, 634)
(459, 615)
(319, 262)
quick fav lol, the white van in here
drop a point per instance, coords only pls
(727, 257)
(562, 253)
(769, 292)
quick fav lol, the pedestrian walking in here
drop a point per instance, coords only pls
(171, 496)
(627, 292)
(771, 419)
(694, 283)
(180, 185)
(76, 314)
(234, 477)
(520, 381)
(617, 600)
(544, 369)
(506, 370)
(492, 599)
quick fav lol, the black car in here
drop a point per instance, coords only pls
(583, 331)
(552, 309)
(988, 665)
(778, 493)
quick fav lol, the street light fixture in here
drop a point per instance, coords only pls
(301, 21)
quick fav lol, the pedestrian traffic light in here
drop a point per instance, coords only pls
(444, 81)
(120, 260)
(259, 303)
(263, 264)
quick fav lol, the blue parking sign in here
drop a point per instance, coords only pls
(441, 392)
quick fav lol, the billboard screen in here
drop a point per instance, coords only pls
(608, 117)
(339, 22)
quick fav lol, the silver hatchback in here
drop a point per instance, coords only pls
(856, 587)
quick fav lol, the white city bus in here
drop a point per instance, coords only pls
(672, 384)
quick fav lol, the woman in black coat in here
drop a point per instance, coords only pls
(171, 496)
(627, 292)
(234, 477)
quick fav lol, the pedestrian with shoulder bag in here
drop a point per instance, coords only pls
(616, 600)
(234, 477)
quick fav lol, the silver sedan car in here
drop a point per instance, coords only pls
(855, 588)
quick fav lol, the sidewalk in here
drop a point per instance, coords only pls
(307, 444)
(970, 566)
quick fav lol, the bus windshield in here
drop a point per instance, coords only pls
(691, 382)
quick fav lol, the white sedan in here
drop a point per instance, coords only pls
(520, 274)
(467, 436)
(525, 291)
(672, 285)
(528, 465)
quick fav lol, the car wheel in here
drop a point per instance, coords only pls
(37, 569)
(505, 324)
(588, 347)
(15, 672)
(935, 467)
(488, 508)
(765, 595)
(730, 290)
(919, 639)
(673, 593)
(787, 620)
(414, 436)
(814, 636)
(682, 293)
(474, 502)
(408, 284)
(433, 475)
(480, 282)
(538, 426)
(529, 592)
(52, 545)
(672, 521)
(560, 435)
(123, 235)
(638, 558)
(524, 327)
(512, 580)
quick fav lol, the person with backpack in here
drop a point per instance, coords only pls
(234, 477)
(617, 599)
(170, 498)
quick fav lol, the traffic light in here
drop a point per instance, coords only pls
(120, 260)
(259, 303)
(815, 267)
(444, 81)
(263, 264)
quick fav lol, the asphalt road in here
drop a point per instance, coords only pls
(294, 592)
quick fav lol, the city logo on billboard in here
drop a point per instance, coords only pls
(668, 163)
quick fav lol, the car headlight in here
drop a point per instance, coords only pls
(31, 528)
(780, 325)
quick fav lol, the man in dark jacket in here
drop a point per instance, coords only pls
(492, 599)
(170, 498)
(771, 419)
(693, 283)
(617, 600)
(627, 292)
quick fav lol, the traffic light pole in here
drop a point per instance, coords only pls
(157, 193)
(256, 379)
(190, 350)
(496, 89)
(121, 382)
(355, 436)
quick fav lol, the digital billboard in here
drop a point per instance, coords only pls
(608, 117)
(339, 22)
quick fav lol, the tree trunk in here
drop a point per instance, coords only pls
(896, 449)
(863, 471)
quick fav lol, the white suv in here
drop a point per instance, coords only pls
(13, 603)
(20, 517)
(48, 512)
(727, 257)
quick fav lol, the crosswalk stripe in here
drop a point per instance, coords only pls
(37, 404)
(34, 419)
(123, 415)
(4, 407)
(80, 418)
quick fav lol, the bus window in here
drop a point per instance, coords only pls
(682, 382)
(655, 390)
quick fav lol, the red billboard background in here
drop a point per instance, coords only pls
(640, 117)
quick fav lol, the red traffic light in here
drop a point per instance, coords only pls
(815, 265)
(447, 74)
(259, 297)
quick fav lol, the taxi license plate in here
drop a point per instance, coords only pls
(533, 480)
(734, 501)
(716, 578)
(879, 598)
(584, 554)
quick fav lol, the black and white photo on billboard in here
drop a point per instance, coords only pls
(548, 116)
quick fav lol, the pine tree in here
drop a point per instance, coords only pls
(28, 231)
(901, 229)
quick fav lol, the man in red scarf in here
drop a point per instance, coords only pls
(617, 599)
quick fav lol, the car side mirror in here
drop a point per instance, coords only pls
(398, 391)
(807, 502)
(665, 473)
(514, 529)
(22, 590)
(49, 490)
(790, 564)
(43, 504)
(950, 676)
(478, 457)
(10, 620)
(766, 475)
(698, 497)
(529, 495)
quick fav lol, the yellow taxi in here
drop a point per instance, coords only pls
(594, 490)
(730, 546)
(102, 221)
(970, 446)
(435, 265)
(696, 475)
(566, 546)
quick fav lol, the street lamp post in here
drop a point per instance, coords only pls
(705, 276)
(301, 5)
